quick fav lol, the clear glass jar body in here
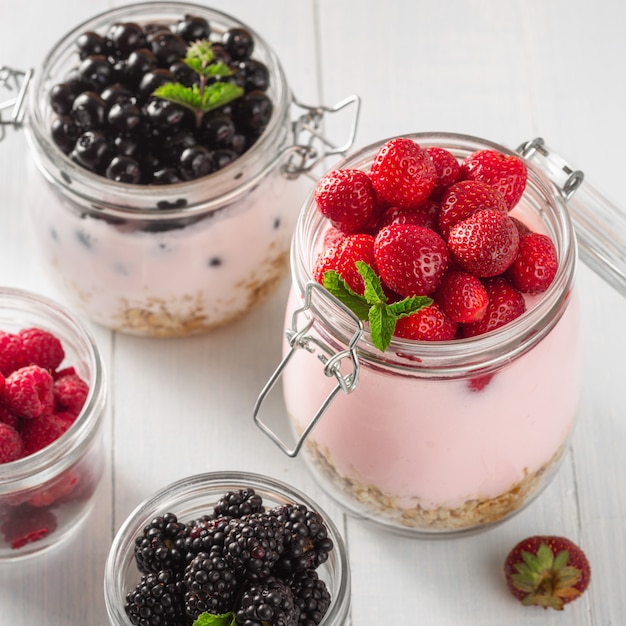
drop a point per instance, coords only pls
(195, 496)
(445, 437)
(45, 496)
(162, 260)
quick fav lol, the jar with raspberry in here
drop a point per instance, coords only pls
(166, 165)
(432, 354)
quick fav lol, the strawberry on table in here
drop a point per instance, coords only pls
(411, 259)
(403, 174)
(507, 173)
(505, 304)
(535, 266)
(547, 571)
(462, 296)
(485, 243)
(346, 197)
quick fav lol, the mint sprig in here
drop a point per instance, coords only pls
(211, 92)
(373, 305)
(209, 619)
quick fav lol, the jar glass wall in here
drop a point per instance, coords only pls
(162, 260)
(44, 496)
(442, 438)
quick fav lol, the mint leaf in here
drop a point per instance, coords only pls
(339, 288)
(372, 305)
(209, 619)
(219, 94)
(175, 92)
(200, 50)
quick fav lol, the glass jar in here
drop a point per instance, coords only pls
(45, 496)
(195, 496)
(168, 260)
(436, 438)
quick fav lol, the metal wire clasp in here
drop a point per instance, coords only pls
(299, 338)
(17, 82)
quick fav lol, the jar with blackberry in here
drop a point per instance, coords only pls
(166, 167)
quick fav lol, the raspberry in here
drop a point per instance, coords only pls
(8, 417)
(41, 348)
(411, 259)
(58, 489)
(11, 444)
(11, 353)
(28, 392)
(403, 174)
(25, 524)
(70, 393)
(346, 197)
(40, 432)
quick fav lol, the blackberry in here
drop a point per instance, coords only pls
(311, 596)
(239, 503)
(268, 602)
(211, 584)
(157, 547)
(253, 544)
(307, 543)
(157, 600)
(203, 535)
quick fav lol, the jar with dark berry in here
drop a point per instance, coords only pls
(166, 213)
(440, 438)
(189, 565)
(48, 488)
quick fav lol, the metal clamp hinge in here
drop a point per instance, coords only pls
(574, 177)
(15, 81)
(301, 339)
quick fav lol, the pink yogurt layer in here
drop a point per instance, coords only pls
(440, 443)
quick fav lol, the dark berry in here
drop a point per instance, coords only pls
(62, 96)
(217, 131)
(252, 112)
(157, 601)
(91, 150)
(311, 596)
(124, 116)
(165, 115)
(223, 157)
(193, 27)
(127, 145)
(307, 544)
(168, 47)
(184, 74)
(239, 503)
(140, 62)
(126, 37)
(267, 602)
(211, 584)
(88, 110)
(64, 133)
(253, 75)
(97, 70)
(238, 42)
(156, 547)
(153, 79)
(166, 176)
(123, 169)
(90, 43)
(116, 93)
(195, 162)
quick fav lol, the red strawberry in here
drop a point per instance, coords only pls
(505, 304)
(535, 265)
(485, 244)
(332, 237)
(547, 571)
(346, 197)
(426, 215)
(447, 167)
(507, 173)
(462, 296)
(429, 323)
(403, 174)
(411, 259)
(28, 392)
(343, 257)
(465, 198)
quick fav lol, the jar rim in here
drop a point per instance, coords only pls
(190, 488)
(458, 357)
(130, 201)
(36, 468)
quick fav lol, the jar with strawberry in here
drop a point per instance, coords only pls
(432, 355)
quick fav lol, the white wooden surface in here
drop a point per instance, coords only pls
(507, 70)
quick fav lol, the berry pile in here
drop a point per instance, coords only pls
(256, 564)
(38, 400)
(213, 107)
(434, 237)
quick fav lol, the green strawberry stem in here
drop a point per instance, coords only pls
(373, 305)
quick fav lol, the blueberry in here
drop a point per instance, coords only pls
(238, 42)
(153, 79)
(217, 131)
(126, 37)
(166, 176)
(196, 162)
(91, 150)
(124, 116)
(252, 112)
(140, 62)
(123, 169)
(253, 75)
(88, 110)
(64, 133)
(168, 47)
(97, 70)
(193, 27)
(89, 43)
(62, 96)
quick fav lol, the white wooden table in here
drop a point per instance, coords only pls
(504, 70)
